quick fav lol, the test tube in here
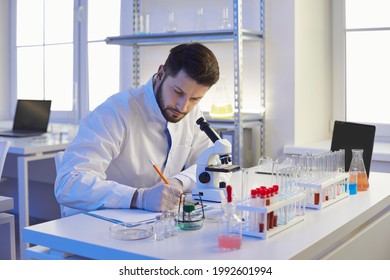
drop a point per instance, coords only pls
(253, 215)
(263, 203)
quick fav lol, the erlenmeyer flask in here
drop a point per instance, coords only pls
(357, 167)
(221, 107)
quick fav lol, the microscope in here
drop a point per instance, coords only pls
(210, 164)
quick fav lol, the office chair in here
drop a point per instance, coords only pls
(7, 203)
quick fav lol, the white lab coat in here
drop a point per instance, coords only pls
(109, 157)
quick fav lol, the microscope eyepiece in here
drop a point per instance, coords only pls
(205, 126)
(200, 120)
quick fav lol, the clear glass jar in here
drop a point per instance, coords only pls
(159, 228)
(229, 229)
(358, 170)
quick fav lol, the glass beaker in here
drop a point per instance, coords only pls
(357, 166)
(229, 226)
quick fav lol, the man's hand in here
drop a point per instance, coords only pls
(159, 197)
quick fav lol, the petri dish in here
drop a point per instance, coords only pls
(127, 231)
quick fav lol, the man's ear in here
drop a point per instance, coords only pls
(160, 72)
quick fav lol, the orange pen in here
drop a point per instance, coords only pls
(159, 172)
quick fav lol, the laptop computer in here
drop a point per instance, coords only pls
(31, 118)
(348, 136)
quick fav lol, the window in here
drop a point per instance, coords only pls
(103, 60)
(44, 51)
(60, 53)
(363, 50)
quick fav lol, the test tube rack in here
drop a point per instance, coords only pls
(291, 209)
(324, 194)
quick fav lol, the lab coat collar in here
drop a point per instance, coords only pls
(153, 109)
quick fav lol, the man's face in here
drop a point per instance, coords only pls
(177, 96)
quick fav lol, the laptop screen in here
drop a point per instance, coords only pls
(32, 115)
(348, 136)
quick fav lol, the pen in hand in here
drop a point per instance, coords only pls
(159, 172)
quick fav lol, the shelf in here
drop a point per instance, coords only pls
(248, 120)
(168, 38)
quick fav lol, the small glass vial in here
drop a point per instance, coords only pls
(229, 226)
(357, 165)
(167, 226)
(159, 228)
(172, 225)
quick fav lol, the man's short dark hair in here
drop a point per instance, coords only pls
(196, 60)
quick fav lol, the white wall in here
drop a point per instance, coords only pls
(4, 60)
(313, 65)
(280, 76)
(298, 72)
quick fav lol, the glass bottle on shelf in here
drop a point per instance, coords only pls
(221, 108)
(357, 166)
(200, 23)
(230, 225)
(171, 25)
(225, 21)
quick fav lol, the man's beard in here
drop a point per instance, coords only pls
(164, 109)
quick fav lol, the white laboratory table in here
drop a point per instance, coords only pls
(28, 149)
(332, 232)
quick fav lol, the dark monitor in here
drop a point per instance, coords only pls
(348, 136)
(32, 115)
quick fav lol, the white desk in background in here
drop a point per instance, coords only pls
(355, 227)
(28, 149)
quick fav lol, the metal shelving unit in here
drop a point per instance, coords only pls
(237, 36)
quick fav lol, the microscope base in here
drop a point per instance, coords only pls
(212, 195)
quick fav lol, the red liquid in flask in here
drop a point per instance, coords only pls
(229, 242)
